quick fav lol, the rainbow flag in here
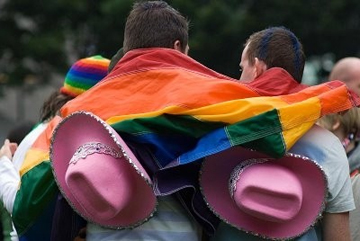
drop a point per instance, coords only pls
(184, 111)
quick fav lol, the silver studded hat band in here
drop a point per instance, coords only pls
(94, 147)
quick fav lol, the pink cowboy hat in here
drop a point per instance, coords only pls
(267, 197)
(98, 174)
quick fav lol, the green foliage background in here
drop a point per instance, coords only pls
(46, 36)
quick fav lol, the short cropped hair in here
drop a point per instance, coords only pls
(277, 47)
(155, 24)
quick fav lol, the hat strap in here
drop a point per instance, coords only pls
(94, 147)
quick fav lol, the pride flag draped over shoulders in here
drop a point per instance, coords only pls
(184, 111)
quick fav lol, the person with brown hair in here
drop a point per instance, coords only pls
(272, 47)
(278, 47)
(154, 24)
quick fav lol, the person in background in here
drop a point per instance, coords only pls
(82, 75)
(346, 126)
(15, 135)
(348, 71)
(261, 53)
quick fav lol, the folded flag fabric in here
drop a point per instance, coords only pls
(184, 111)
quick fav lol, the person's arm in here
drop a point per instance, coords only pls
(336, 227)
(9, 176)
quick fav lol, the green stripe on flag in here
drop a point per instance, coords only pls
(38, 188)
(262, 133)
(167, 124)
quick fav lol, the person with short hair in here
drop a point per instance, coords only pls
(262, 52)
(152, 24)
(272, 47)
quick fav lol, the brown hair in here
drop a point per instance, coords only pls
(154, 24)
(349, 121)
(277, 47)
(53, 104)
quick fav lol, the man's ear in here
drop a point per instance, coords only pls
(260, 67)
(177, 45)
